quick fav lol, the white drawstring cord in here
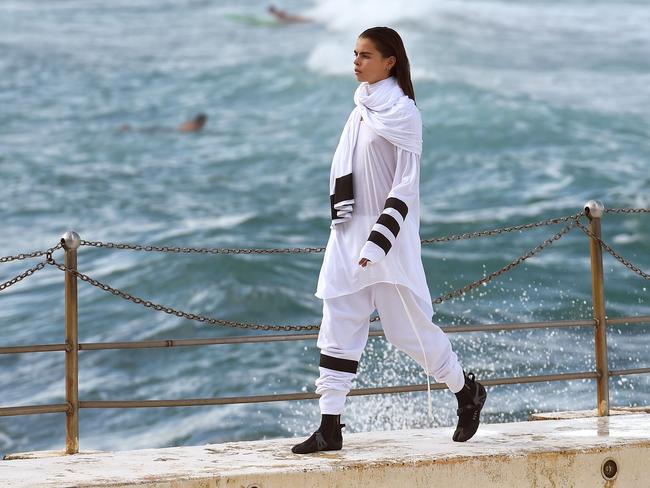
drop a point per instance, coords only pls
(424, 353)
(426, 366)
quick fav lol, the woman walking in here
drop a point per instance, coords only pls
(373, 256)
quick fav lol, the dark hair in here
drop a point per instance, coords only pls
(201, 118)
(389, 43)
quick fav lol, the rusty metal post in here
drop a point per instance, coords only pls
(71, 241)
(594, 210)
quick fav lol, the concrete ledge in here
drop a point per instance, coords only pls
(546, 453)
(577, 414)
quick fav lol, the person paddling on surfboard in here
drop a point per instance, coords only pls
(283, 16)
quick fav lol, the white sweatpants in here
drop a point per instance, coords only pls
(407, 324)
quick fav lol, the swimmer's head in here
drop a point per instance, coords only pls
(200, 119)
(194, 125)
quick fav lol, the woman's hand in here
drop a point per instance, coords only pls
(364, 261)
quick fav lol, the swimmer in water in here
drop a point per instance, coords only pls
(194, 125)
(283, 16)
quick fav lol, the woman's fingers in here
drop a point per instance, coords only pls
(364, 261)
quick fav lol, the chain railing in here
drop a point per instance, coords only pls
(504, 230)
(29, 255)
(200, 250)
(626, 210)
(266, 327)
(173, 311)
(22, 276)
(71, 242)
(289, 328)
(632, 267)
(287, 250)
(30, 271)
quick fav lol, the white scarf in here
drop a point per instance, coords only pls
(391, 114)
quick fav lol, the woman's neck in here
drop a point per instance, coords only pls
(376, 84)
(379, 81)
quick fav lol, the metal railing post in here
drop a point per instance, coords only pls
(594, 210)
(71, 241)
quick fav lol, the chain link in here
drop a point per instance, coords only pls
(230, 323)
(627, 210)
(295, 250)
(22, 275)
(475, 284)
(508, 267)
(617, 256)
(288, 250)
(173, 311)
(28, 255)
(503, 230)
(200, 250)
(245, 325)
(30, 271)
(574, 219)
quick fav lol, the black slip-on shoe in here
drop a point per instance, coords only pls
(317, 443)
(328, 437)
(469, 413)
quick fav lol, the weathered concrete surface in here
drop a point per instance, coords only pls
(576, 414)
(546, 453)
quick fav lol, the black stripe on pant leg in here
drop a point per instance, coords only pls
(381, 240)
(338, 364)
(398, 205)
(389, 221)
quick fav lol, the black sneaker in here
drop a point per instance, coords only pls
(469, 409)
(328, 437)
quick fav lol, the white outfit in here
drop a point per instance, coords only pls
(374, 203)
(344, 332)
(383, 174)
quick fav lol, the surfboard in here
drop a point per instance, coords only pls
(253, 20)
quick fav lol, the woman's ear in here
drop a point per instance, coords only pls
(391, 62)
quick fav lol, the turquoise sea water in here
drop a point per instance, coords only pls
(530, 109)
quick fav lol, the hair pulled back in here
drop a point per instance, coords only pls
(389, 43)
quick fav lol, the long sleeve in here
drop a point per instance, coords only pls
(404, 195)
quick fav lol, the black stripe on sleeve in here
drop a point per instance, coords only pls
(338, 364)
(389, 221)
(381, 240)
(343, 188)
(398, 205)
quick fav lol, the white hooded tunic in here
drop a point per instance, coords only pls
(384, 225)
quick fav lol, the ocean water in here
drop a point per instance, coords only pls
(530, 109)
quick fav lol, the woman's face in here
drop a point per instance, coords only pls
(369, 64)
